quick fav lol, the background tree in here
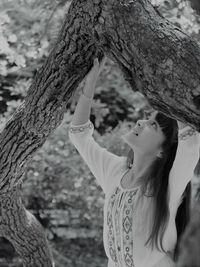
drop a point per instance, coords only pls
(83, 36)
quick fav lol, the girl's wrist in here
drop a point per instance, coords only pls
(91, 80)
(87, 97)
(90, 97)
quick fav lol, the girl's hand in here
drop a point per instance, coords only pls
(181, 124)
(93, 74)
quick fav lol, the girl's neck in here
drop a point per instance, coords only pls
(139, 167)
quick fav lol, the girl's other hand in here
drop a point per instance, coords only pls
(181, 124)
(102, 63)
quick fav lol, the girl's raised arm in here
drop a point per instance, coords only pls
(83, 108)
(100, 161)
(187, 156)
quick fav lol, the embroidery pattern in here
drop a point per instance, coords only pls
(128, 213)
(78, 129)
(111, 240)
(117, 228)
(120, 229)
(186, 134)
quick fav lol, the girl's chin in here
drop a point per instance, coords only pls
(130, 144)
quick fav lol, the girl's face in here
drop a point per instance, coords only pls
(146, 137)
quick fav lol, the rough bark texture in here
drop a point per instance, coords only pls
(157, 59)
(22, 229)
(163, 61)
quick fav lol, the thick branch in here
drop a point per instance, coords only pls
(25, 233)
(163, 60)
(43, 108)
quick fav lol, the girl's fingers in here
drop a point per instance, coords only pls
(94, 71)
(96, 61)
(99, 64)
(97, 67)
(103, 61)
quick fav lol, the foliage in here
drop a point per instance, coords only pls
(28, 30)
(181, 14)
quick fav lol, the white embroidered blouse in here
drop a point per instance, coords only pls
(128, 218)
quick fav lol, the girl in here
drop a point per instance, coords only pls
(143, 191)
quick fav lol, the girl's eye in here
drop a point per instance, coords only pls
(146, 116)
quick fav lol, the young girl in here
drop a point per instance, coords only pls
(143, 191)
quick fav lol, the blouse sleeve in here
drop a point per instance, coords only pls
(100, 161)
(186, 159)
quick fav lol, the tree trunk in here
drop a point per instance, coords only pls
(156, 58)
(25, 233)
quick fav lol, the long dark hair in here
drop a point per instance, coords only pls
(156, 180)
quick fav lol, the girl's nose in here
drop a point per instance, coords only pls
(139, 123)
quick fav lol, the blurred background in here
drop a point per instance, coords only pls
(58, 187)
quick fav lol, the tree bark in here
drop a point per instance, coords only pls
(22, 229)
(156, 58)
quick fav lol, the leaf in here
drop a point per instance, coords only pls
(4, 47)
(20, 61)
(12, 38)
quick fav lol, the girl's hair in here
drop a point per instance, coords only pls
(156, 180)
